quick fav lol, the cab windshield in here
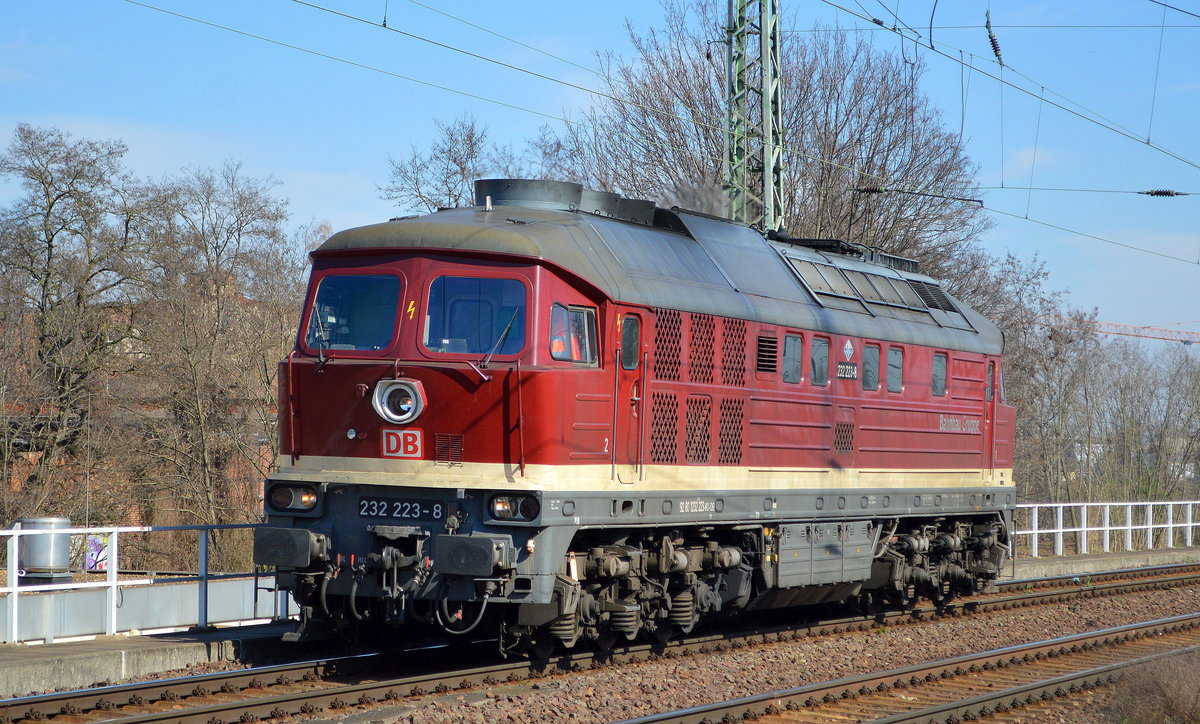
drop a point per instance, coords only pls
(475, 315)
(354, 312)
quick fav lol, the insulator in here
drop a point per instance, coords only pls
(870, 189)
(1162, 192)
(992, 38)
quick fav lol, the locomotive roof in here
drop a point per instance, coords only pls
(696, 263)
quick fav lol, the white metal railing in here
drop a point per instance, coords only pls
(116, 583)
(1081, 528)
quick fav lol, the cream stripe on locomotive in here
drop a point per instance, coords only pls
(492, 476)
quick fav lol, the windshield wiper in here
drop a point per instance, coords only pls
(322, 340)
(500, 342)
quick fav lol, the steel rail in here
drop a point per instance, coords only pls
(790, 704)
(1096, 576)
(175, 691)
(1028, 694)
(108, 698)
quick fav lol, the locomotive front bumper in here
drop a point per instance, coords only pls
(472, 555)
(289, 547)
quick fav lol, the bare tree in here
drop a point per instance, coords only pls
(867, 158)
(444, 175)
(221, 307)
(71, 264)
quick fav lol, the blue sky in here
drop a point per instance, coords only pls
(183, 94)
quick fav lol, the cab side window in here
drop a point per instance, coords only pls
(895, 371)
(820, 361)
(870, 376)
(793, 358)
(631, 341)
(938, 382)
(573, 334)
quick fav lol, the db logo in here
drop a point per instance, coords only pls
(402, 443)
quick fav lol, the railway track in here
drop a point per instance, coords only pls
(966, 687)
(339, 684)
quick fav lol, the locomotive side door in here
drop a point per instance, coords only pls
(629, 424)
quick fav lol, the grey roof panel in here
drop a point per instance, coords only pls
(720, 269)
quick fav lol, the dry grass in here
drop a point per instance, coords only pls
(1165, 692)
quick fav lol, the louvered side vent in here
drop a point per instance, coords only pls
(664, 416)
(733, 352)
(729, 444)
(843, 437)
(667, 338)
(768, 354)
(699, 428)
(932, 295)
(448, 449)
(703, 348)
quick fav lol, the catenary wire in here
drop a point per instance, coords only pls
(550, 116)
(1094, 117)
(401, 76)
(698, 112)
(657, 112)
(1082, 191)
(525, 45)
(876, 27)
(1176, 9)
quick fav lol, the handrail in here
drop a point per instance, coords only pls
(1143, 525)
(14, 590)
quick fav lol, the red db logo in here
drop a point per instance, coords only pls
(402, 443)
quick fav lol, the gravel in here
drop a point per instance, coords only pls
(629, 691)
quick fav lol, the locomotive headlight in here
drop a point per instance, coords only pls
(292, 497)
(398, 401)
(515, 507)
(502, 507)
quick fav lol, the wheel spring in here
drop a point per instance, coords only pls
(683, 609)
(565, 629)
(625, 622)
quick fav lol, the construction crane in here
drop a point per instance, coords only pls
(753, 163)
(1123, 330)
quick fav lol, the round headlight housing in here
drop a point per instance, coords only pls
(399, 401)
(515, 507)
(292, 498)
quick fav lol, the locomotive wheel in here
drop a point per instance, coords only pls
(606, 642)
(541, 648)
(664, 633)
(870, 603)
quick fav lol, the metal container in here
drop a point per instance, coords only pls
(44, 554)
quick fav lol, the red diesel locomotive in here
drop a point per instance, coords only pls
(562, 415)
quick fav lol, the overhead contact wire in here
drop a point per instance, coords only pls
(661, 114)
(550, 116)
(1093, 118)
(401, 76)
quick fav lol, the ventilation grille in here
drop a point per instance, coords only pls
(768, 354)
(733, 353)
(729, 450)
(699, 428)
(843, 437)
(932, 295)
(664, 413)
(449, 449)
(703, 348)
(667, 338)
